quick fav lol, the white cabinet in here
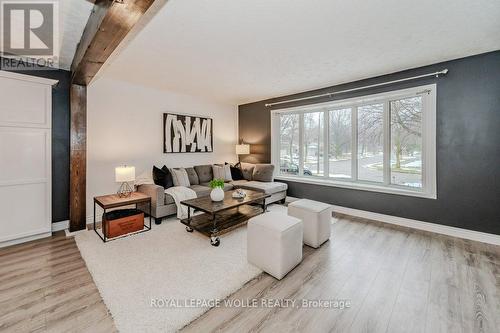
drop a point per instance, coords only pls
(25, 158)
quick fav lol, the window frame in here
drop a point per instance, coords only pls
(429, 186)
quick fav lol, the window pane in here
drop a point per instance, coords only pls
(339, 151)
(313, 144)
(406, 142)
(371, 143)
(289, 144)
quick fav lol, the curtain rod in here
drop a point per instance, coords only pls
(330, 94)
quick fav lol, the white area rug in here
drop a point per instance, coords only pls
(165, 263)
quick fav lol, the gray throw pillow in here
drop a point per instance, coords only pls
(193, 176)
(180, 177)
(247, 170)
(263, 172)
(204, 172)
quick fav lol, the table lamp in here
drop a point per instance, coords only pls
(124, 174)
(242, 149)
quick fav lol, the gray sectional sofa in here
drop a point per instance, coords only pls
(258, 177)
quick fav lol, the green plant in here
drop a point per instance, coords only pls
(217, 183)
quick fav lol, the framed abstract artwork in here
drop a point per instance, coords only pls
(187, 134)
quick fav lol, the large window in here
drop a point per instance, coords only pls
(313, 145)
(289, 144)
(340, 143)
(406, 142)
(383, 142)
(371, 143)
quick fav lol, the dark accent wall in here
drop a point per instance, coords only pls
(468, 146)
(60, 140)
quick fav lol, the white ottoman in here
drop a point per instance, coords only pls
(317, 219)
(274, 243)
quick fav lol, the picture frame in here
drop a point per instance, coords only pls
(184, 133)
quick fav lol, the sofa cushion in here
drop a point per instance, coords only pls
(227, 186)
(193, 176)
(247, 170)
(263, 172)
(267, 187)
(204, 172)
(237, 183)
(168, 200)
(201, 191)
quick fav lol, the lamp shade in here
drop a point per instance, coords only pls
(243, 149)
(125, 174)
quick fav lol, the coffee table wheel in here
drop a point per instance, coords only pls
(189, 229)
(215, 241)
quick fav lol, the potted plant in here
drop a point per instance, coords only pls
(217, 186)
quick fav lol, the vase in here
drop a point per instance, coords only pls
(217, 194)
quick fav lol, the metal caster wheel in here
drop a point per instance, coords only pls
(215, 241)
(189, 229)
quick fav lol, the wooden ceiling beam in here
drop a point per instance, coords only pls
(108, 25)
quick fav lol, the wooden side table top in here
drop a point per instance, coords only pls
(113, 200)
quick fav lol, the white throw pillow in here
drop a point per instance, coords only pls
(218, 171)
(180, 177)
(227, 173)
(222, 172)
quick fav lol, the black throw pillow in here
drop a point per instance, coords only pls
(169, 180)
(236, 173)
(158, 176)
(162, 177)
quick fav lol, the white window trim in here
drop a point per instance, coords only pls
(429, 187)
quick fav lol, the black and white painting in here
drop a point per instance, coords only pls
(187, 134)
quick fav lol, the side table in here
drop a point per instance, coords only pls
(114, 201)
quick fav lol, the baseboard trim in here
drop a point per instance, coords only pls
(420, 225)
(58, 226)
(24, 239)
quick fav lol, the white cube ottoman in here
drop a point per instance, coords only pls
(317, 219)
(274, 243)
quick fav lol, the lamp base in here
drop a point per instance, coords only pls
(125, 190)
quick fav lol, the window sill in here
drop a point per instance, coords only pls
(358, 186)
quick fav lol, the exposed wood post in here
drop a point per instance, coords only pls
(108, 25)
(78, 168)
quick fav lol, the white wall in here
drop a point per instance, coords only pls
(125, 126)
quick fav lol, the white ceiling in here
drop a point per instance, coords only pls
(239, 51)
(73, 15)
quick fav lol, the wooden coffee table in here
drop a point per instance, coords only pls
(223, 216)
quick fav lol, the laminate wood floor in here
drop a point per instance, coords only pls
(396, 280)
(45, 287)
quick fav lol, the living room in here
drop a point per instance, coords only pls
(249, 166)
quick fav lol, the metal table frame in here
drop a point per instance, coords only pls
(103, 235)
(214, 239)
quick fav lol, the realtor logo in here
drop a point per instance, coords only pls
(30, 31)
